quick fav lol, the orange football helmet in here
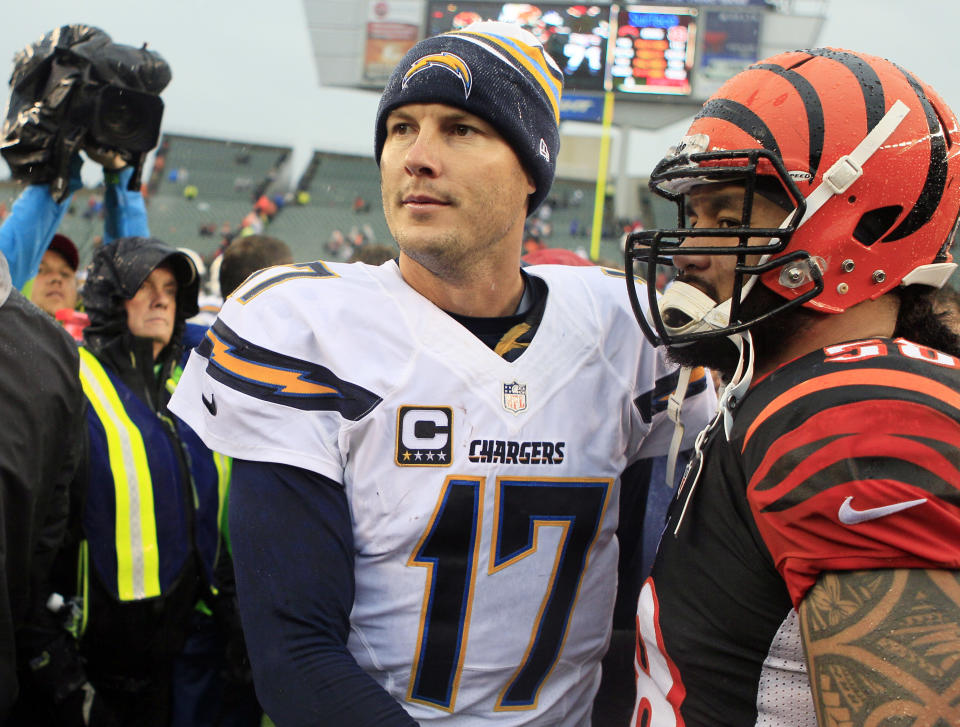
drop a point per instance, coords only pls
(862, 155)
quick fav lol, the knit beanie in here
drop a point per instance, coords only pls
(496, 71)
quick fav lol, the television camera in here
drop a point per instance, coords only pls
(74, 89)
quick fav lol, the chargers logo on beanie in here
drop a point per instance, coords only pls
(451, 62)
(496, 71)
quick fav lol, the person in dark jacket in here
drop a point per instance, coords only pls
(41, 446)
(149, 545)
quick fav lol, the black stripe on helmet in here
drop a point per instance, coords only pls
(811, 102)
(936, 180)
(870, 85)
(741, 117)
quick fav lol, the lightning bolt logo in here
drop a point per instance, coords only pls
(270, 376)
(291, 382)
(449, 61)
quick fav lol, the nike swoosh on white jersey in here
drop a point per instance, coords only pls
(849, 516)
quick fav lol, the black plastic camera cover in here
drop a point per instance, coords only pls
(75, 87)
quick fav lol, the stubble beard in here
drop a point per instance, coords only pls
(438, 252)
(441, 255)
(451, 255)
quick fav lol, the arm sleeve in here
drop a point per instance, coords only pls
(34, 218)
(293, 554)
(126, 212)
(644, 497)
(644, 500)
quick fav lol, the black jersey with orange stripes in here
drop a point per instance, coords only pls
(847, 458)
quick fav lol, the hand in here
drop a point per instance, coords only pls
(75, 710)
(109, 159)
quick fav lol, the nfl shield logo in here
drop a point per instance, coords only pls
(515, 397)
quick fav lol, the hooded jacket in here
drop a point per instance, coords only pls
(115, 274)
(132, 631)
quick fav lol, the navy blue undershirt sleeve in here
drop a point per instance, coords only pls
(293, 554)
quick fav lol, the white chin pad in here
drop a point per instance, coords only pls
(685, 309)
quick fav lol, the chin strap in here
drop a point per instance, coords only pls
(691, 475)
(729, 399)
(734, 391)
(685, 302)
(731, 395)
(674, 409)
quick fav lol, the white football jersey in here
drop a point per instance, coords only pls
(483, 492)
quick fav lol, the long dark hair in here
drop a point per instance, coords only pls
(920, 321)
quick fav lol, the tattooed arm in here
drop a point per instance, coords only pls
(883, 647)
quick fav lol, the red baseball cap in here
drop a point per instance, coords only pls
(64, 245)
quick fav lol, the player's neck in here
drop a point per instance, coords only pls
(869, 319)
(488, 291)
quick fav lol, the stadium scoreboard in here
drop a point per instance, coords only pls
(631, 49)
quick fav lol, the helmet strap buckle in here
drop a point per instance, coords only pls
(844, 172)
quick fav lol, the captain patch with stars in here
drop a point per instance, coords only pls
(424, 436)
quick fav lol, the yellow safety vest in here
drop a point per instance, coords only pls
(138, 557)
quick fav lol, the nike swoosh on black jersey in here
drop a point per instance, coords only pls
(211, 404)
(848, 516)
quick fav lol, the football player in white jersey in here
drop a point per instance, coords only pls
(429, 451)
